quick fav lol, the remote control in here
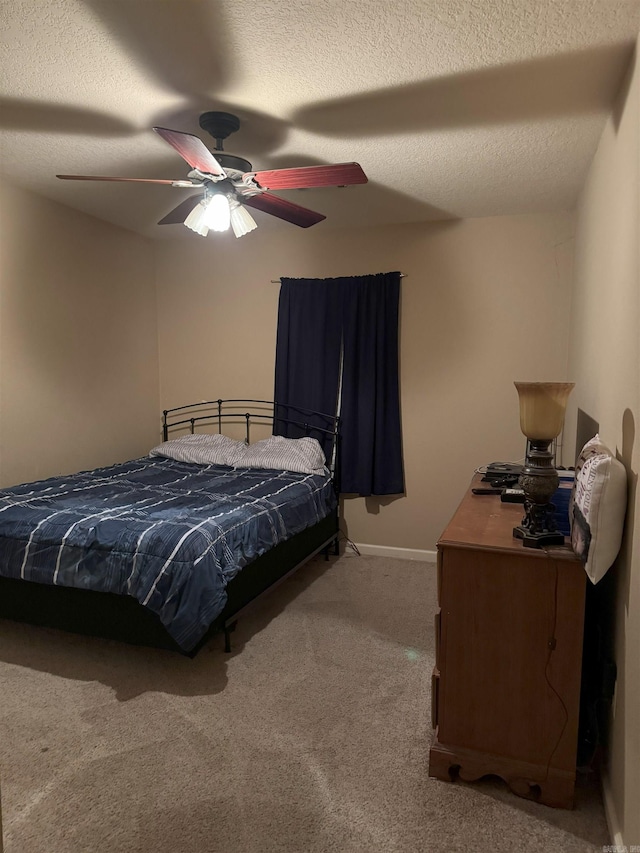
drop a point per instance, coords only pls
(512, 496)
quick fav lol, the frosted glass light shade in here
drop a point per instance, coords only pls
(542, 408)
(196, 219)
(241, 220)
(210, 214)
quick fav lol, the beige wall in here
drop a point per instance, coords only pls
(484, 302)
(78, 341)
(605, 363)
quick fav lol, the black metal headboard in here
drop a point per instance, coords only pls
(284, 418)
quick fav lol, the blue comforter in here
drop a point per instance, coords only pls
(171, 534)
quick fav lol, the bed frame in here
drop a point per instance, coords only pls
(121, 617)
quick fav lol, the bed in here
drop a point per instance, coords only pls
(170, 548)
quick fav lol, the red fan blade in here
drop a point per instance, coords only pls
(193, 150)
(180, 213)
(283, 209)
(103, 178)
(337, 175)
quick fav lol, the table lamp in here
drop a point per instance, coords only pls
(542, 408)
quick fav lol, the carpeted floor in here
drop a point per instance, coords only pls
(313, 735)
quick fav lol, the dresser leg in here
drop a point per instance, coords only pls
(442, 764)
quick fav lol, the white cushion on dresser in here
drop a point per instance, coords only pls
(597, 508)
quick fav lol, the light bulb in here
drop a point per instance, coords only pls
(218, 215)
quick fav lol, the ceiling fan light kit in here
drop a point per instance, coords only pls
(228, 183)
(210, 214)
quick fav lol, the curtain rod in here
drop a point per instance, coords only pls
(277, 280)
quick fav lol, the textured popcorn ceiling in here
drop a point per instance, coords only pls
(454, 108)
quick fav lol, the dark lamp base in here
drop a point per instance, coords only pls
(538, 540)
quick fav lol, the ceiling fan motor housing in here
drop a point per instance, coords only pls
(220, 126)
(231, 162)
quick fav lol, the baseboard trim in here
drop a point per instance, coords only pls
(610, 813)
(398, 553)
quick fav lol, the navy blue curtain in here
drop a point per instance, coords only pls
(320, 319)
(307, 356)
(370, 406)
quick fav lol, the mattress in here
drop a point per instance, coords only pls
(171, 534)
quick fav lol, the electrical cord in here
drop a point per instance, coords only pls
(552, 646)
(353, 547)
(342, 536)
(482, 469)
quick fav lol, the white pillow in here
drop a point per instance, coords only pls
(303, 455)
(597, 508)
(201, 448)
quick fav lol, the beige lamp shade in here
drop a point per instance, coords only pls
(542, 408)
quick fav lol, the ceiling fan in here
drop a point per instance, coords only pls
(227, 184)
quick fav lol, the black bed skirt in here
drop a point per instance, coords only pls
(121, 617)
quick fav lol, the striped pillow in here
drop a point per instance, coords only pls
(303, 455)
(201, 449)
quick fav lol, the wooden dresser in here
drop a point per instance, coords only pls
(506, 684)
